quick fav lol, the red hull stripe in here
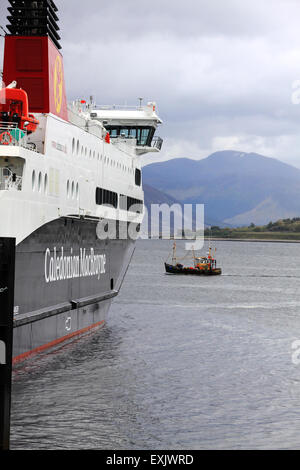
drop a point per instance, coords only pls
(21, 357)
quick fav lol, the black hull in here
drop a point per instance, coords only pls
(170, 269)
(65, 281)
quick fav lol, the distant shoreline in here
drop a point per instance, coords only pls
(270, 240)
(252, 240)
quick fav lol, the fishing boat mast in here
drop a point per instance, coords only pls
(174, 259)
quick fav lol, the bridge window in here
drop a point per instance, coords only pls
(143, 135)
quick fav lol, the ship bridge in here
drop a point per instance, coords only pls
(131, 123)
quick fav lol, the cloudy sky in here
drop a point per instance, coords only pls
(221, 71)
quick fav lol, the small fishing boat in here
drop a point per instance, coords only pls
(203, 266)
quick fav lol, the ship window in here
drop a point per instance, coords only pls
(40, 182)
(68, 189)
(73, 146)
(144, 136)
(78, 147)
(106, 197)
(46, 183)
(77, 191)
(72, 190)
(33, 180)
(131, 204)
(138, 177)
(124, 132)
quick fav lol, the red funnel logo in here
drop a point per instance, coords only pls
(58, 84)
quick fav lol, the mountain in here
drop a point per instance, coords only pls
(236, 188)
(154, 196)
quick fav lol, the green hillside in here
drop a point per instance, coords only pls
(283, 229)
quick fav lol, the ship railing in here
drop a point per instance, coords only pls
(118, 107)
(9, 180)
(11, 135)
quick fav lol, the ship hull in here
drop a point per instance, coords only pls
(66, 279)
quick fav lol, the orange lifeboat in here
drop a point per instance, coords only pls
(14, 109)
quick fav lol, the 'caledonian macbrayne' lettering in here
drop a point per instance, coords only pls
(59, 266)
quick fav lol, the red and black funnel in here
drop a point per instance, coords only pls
(32, 57)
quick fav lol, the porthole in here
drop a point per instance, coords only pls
(77, 191)
(33, 180)
(72, 190)
(78, 148)
(73, 146)
(68, 189)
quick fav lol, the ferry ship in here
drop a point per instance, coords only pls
(70, 186)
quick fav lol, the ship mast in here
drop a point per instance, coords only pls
(194, 255)
(174, 259)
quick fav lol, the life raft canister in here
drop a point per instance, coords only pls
(5, 138)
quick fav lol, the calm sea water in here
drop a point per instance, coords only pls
(183, 362)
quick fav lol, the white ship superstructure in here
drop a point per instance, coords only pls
(55, 171)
